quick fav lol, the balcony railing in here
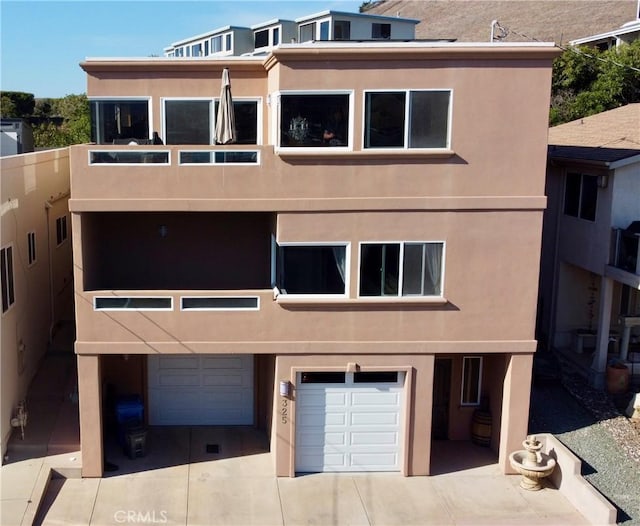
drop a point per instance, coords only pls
(626, 250)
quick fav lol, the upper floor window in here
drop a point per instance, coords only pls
(318, 30)
(31, 247)
(216, 44)
(471, 380)
(581, 196)
(6, 275)
(407, 119)
(312, 269)
(261, 38)
(401, 269)
(192, 121)
(312, 120)
(380, 31)
(196, 50)
(119, 120)
(341, 30)
(61, 230)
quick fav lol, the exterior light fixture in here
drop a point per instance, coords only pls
(285, 388)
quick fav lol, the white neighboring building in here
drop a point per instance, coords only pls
(590, 277)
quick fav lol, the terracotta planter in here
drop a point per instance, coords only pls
(617, 378)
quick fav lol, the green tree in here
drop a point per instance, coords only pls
(76, 122)
(588, 81)
(16, 104)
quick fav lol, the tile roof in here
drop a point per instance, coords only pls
(614, 129)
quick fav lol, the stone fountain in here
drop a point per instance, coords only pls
(532, 464)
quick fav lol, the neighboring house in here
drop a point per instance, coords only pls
(324, 26)
(625, 34)
(590, 277)
(558, 21)
(356, 275)
(36, 268)
(16, 136)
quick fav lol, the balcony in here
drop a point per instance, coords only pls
(626, 248)
(129, 174)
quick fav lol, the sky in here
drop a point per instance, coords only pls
(43, 42)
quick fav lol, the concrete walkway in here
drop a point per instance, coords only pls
(178, 482)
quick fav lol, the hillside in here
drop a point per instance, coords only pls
(546, 20)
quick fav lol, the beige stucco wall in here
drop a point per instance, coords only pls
(28, 182)
(483, 197)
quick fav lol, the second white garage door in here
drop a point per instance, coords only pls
(209, 389)
(349, 421)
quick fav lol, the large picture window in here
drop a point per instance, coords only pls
(581, 196)
(314, 120)
(119, 120)
(192, 121)
(407, 119)
(312, 269)
(401, 269)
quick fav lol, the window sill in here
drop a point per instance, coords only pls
(324, 153)
(284, 299)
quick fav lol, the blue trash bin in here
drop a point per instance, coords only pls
(129, 413)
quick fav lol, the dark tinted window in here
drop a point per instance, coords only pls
(375, 377)
(322, 377)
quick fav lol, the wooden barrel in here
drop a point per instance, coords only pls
(481, 428)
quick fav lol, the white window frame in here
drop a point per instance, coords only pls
(258, 101)
(64, 230)
(578, 215)
(9, 278)
(463, 385)
(95, 308)
(347, 267)
(402, 243)
(32, 252)
(269, 30)
(134, 99)
(225, 309)
(276, 119)
(212, 122)
(316, 30)
(407, 115)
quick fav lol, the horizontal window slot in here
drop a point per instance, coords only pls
(133, 303)
(368, 377)
(219, 157)
(332, 377)
(128, 157)
(220, 303)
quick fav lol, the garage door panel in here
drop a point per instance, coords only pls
(373, 438)
(375, 399)
(373, 418)
(177, 362)
(349, 426)
(191, 391)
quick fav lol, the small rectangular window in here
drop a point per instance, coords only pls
(581, 196)
(381, 31)
(276, 36)
(220, 303)
(369, 377)
(61, 230)
(6, 271)
(471, 380)
(342, 30)
(306, 32)
(324, 30)
(333, 377)
(261, 38)
(133, 303)
(216, 44)
(31, 247)
(227, 42)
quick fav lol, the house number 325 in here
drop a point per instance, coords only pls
(284, 410)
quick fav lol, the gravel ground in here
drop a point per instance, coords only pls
(588, 423)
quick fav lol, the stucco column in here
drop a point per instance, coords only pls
(599, 364)
(90, 403)
(516, 393)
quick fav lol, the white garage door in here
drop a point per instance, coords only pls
(349, 421)
(206, 389)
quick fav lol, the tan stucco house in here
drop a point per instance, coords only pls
(355, 275)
